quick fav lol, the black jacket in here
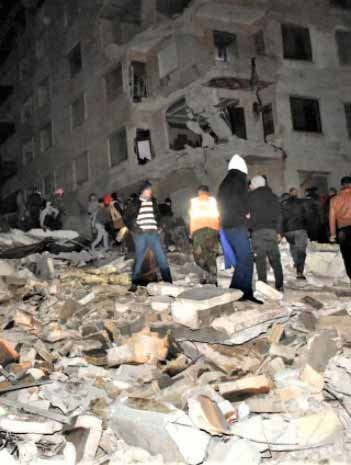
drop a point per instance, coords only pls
(265, 210)
(132, 211)
(233, 200)
(294, 215)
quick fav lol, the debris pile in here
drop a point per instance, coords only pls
(181, 374)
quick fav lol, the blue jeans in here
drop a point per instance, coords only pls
(238, 239)
(152, 240)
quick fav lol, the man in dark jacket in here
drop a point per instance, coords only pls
(142, 219)
(294, 230)
(266, 226)
(233, 205)
(313, 209)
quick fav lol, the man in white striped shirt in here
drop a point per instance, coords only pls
(142, 219)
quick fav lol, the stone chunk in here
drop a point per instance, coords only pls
(321, 348)
(85, 435)
(287, 353)
(206, 415)
(161, 304)
(29, 427)
(144, 347)
(268, 292)
(169, 433)
(249, 385)
(199, 307)
(165, 289)
(7, 352)
(312, 302)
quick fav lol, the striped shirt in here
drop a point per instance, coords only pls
(146, 217)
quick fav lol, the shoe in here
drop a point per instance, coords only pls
(250, 299)
(133, 288)
(301, 276)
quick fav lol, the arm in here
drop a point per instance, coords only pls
(332, 220)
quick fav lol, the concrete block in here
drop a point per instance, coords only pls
(165, 289)
(249, 385)
(161, 304)
(268, 292)
(199, 307)
(235, 451)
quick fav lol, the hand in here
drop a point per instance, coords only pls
(332, 238)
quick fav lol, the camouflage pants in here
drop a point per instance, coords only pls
(205, 249)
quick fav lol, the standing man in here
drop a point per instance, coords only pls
(142, 219)
(340, 221)
(294, 230)
(204, 227)
(266, 226)
(99, 221)
(233, 200)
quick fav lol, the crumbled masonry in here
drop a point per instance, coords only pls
(179, 373)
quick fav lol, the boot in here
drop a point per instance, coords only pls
(166, 276)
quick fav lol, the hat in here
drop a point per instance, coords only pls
(258, 181)
(107, 200)
(59, 191)
(145, 186)
(238, 163)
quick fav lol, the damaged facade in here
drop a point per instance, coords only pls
(111, 93)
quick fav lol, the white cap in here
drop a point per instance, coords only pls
(258, 181)
(238, 163)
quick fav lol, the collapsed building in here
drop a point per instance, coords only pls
(109, 93)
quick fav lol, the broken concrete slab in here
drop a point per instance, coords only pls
(85, 434)
(235, 451)
(321, 347)
(285, 352)
(17, 426)
(169, 433)
(245, 325)
(165, 289)
(161, 303)
(200, 306)
(268, 292)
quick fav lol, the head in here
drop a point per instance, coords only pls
(146, 191)
(107, 200)
(168, 201)
(59, 192)
(293, 193)
(238, 163)
(92, 197)
(203, 189)
(101, 202)
(257, 182)
(346, 182)
(114, 196)
(332, 192)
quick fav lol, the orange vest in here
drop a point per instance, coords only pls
(203, 213)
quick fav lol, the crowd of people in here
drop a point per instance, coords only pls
(246, 218)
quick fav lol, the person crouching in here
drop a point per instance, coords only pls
(204, 227)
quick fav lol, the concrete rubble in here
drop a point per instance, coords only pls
(179, 374)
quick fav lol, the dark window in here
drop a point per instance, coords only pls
(341, 4)
(267, 120)
(171, 7)
(237, 121)
(118, 148)
(296, 42)
(114, 83)
(78, 111)
(343, 40)
(44, 92)
(75, 60)
(305, 114)
(260, 45)
(46, 137)
(81, 168)
(348, 117)
(225, 44)
(139, 81)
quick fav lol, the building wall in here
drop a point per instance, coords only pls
(286, 154)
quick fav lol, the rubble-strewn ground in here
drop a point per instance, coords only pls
(92, 374)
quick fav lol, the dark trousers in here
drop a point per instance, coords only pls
(344, 236)
(265, 245)
(152, 240)
(298, 241)
(238, 239)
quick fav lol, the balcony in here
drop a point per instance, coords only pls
(124, 10)
(6, 130)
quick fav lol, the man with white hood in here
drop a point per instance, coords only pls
(233, 200)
